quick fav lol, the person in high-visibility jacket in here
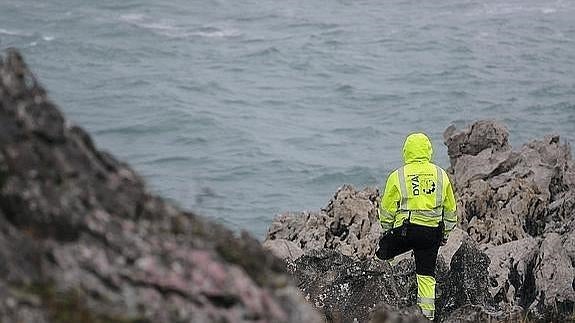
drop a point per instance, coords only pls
(417, 212)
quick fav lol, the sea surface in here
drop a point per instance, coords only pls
(242, 110)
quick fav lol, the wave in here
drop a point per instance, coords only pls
(15, 33)
(172, 29)
(24, 34)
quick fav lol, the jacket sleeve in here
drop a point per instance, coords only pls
(449, 209)
(389, 202)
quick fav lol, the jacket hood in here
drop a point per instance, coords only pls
(417, 148)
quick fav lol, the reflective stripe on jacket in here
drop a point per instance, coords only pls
(419, 190)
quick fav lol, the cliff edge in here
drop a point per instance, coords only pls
(82, 240)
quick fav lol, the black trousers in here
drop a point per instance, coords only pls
(424, 241)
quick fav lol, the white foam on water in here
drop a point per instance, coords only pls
(548, 10)
(216, 33)
(14, 33)
(172, 30)
(145, 22)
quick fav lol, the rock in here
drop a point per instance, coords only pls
(482, 135)
(511, 278)
(80, 235)
(554, 281)
(284, 249)
(511, 257)
(478, 313)
(387, 314)
(466, 283)
(506, 195)
(456, 238)
(348, 290)
(349, 224)
(520, 206)
(344, 289)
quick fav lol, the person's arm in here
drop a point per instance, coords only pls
(389, 202)
(449, 209)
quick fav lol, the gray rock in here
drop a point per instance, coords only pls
(507, 195)
(284, 249)
(477, 313)
(388, 314)
(344, 289)
(349, 224)
(456, 238)
(348, 290)
(511, 257)
(519, 204)
(554, 281)
(511, 277)
(466, 283)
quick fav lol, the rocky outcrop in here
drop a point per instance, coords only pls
(82, 240)
(348, 290)
(337, 285)
(519, 206)
(349, 223)
(511, 258)
(506, 195)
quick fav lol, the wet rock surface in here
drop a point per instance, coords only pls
(510, 259)
(82, 240)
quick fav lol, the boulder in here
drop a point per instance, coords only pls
(554, 281)
(511, 277)
(82, 239)
(349, 223)
(388, 314)
(520, 206)
(466, 283)
(507, 195)
(284, 249)
(347, 290)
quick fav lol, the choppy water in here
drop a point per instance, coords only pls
(241, 110)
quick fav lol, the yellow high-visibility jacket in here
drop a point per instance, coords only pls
(419, 190)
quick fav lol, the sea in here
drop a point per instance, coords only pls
(240, 110)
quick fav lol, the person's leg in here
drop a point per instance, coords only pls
(425, 251)
(392, 245)
(426, 295)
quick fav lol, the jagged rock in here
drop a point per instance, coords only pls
(506, 195)
(466, 283)
(347, 290)
(456, 238)
(569, 246)
(520, 205)
(511, 257)
(478, 313)
(284, 249)
(554, 281)
(387, 314)
(349, 224)
(511, 278)
(482, 135)
(81, 237)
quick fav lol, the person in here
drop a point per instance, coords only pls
(417, 212)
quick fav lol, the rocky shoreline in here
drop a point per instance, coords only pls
(83, 240)
(510, 259)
